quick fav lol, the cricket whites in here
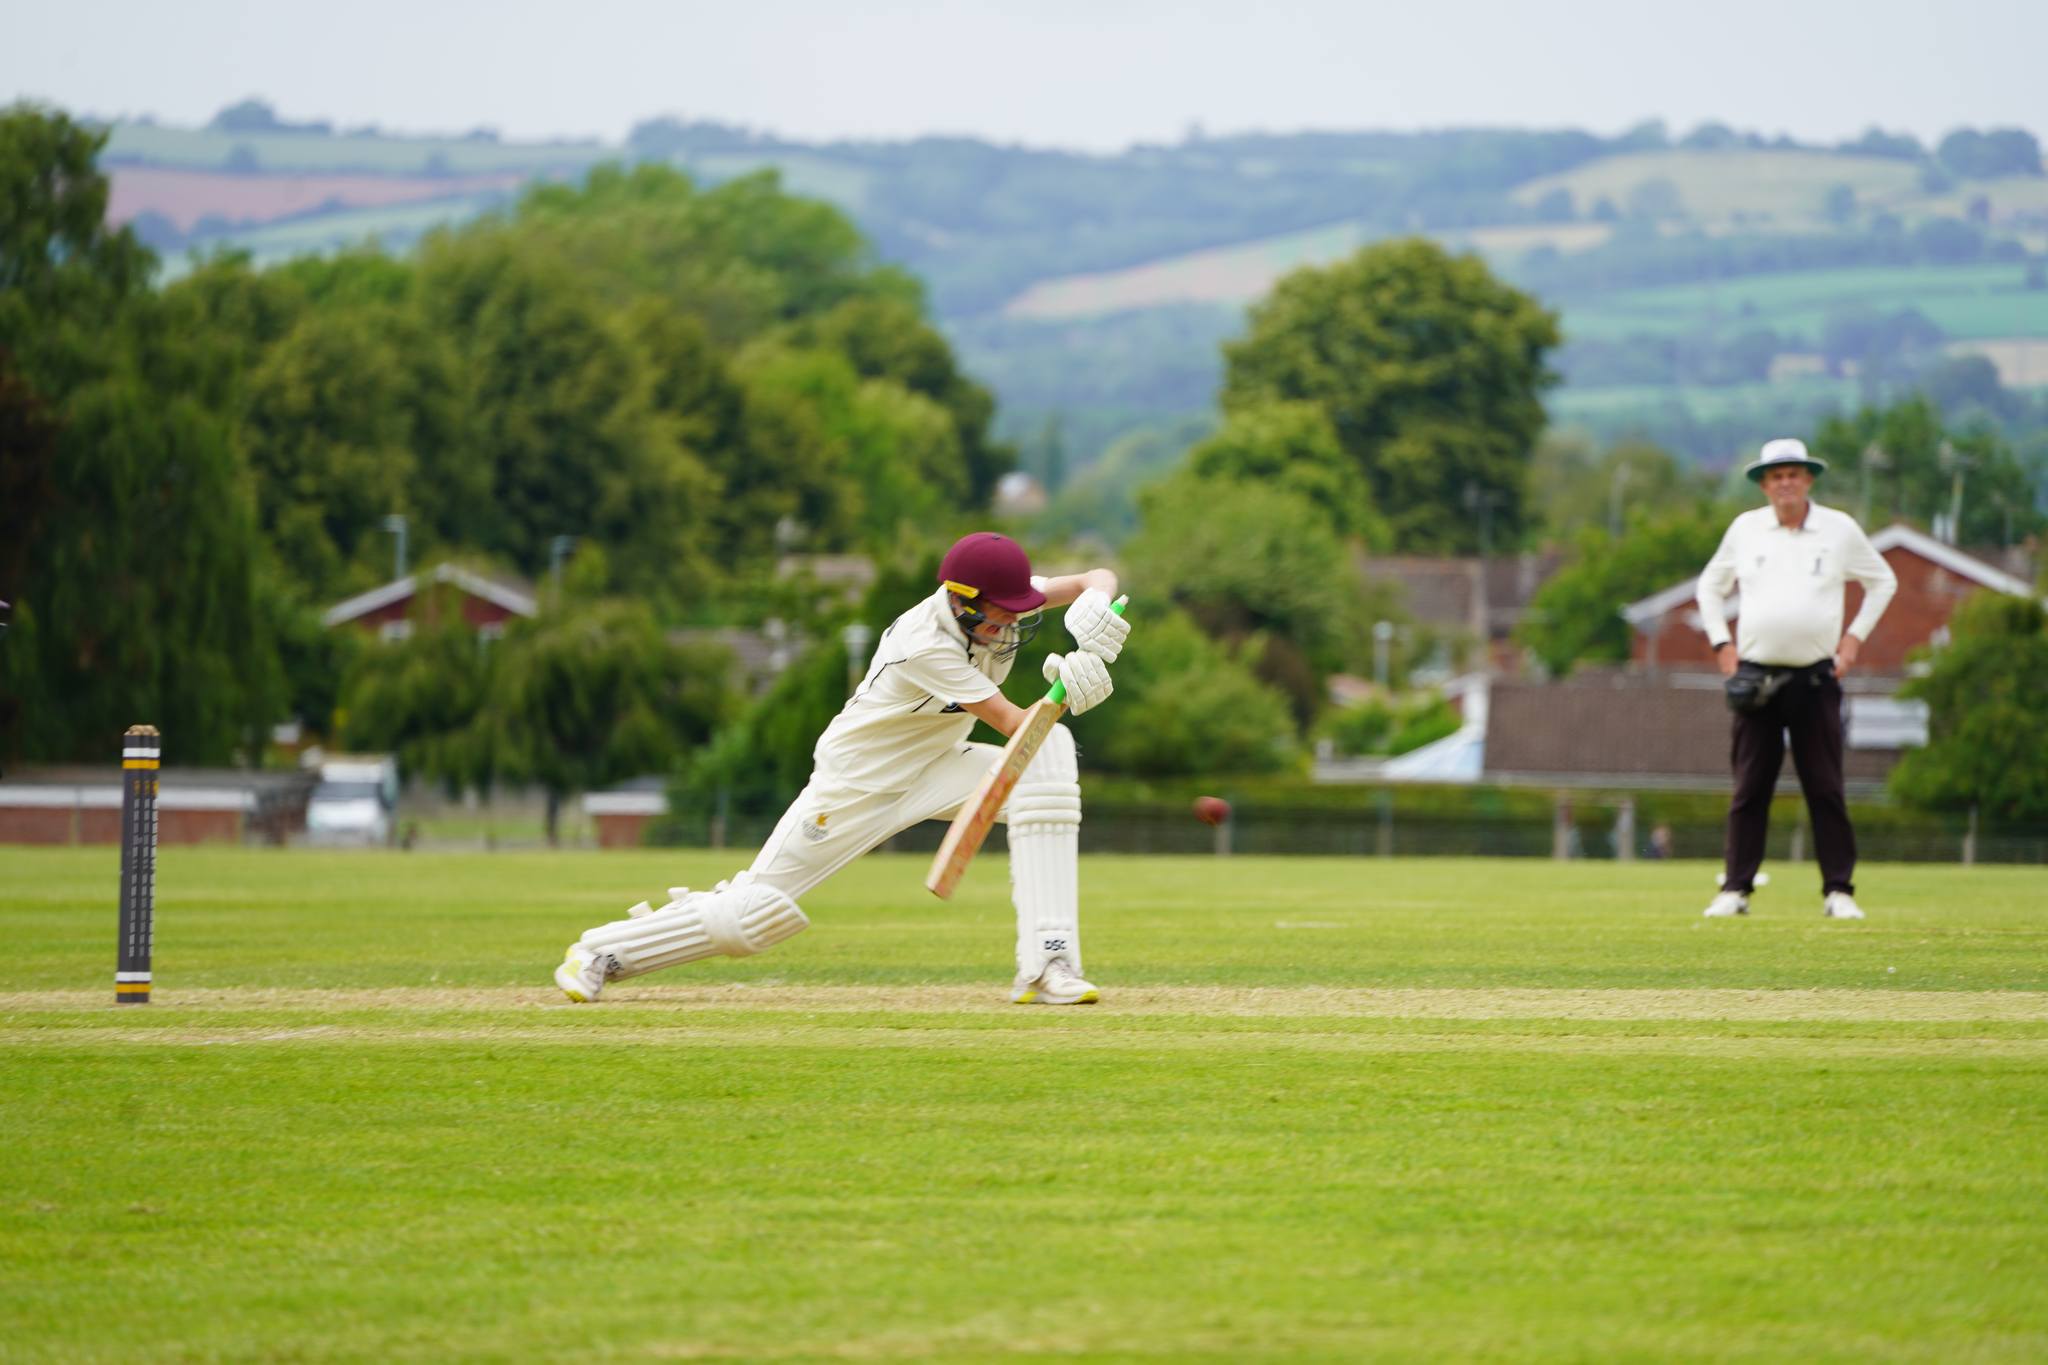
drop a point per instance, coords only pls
(970, 827)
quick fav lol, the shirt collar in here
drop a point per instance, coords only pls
(1805, 522)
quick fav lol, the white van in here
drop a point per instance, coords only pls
(356, 801)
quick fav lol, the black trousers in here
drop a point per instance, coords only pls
(1808, 708)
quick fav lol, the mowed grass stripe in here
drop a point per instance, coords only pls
(628, 999)
(1042, 1046)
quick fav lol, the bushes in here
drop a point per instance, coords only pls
(1390, 727)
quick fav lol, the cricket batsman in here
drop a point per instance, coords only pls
(897, 754)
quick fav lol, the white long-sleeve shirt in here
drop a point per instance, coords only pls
(908, 710)
(1792, 581)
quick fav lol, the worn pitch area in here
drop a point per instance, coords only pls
(1838, 1023)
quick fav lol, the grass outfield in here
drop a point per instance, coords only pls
(1328, 1110)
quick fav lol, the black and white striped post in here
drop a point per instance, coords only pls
(141, 752)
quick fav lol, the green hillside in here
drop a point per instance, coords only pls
(394, 228)
(1719, 186)
(1966, 302)
(211, 149)
(1096, 289)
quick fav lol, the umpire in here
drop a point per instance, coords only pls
(1792, 561)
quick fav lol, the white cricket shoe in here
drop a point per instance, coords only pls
(1727, 905)
(583, 973)
(1840, 905)
(1056, 985)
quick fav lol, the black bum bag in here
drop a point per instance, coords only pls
(1750, 688)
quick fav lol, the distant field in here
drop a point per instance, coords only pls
(1328, 1110)
(1967, 301)
(1233, 274)
(1248, 271)
(203, 148)
(1705, 403)
(2021, 364)
(1780, 186)
(184, 197)
(395, 227)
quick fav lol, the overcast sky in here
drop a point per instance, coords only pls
(1088, 74)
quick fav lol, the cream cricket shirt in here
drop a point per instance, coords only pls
(906, 712)
(1792, 581)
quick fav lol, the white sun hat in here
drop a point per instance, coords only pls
(1785, 450)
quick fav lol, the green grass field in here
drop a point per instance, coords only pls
(1965, 301)
(1328, 1110)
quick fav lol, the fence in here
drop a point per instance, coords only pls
(1573, 826)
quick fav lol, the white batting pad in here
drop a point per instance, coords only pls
(738, 919)
(1044, 815)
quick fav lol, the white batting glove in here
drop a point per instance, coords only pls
(1086, 677)
(1095, 628)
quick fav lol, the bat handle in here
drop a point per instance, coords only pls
(1058, 695)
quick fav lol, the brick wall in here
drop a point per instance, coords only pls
(101, 824)
(619, 831)
(1624, 727)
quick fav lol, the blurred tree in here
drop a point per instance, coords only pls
(1983, 156)
(759, 762)
(1576, 485)
(1987, 694)
(1186, 703)
(422, 698)
(1294, 448)
(588, 695)
(327, 426)
(560, 411)
(138, 596)
(1894, 457)
(886, 337)
(1256, 566)
(1575, 618)
(743, 257)
(595, 694)
(1431, 372)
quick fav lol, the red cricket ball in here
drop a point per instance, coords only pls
(1211, 810)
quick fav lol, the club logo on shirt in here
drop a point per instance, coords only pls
(951, 708)
(814, 828)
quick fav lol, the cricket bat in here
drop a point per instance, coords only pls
(977, 817)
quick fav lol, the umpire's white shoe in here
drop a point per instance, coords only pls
(1056, 985)
(1727, 905)
(583, 973)
(1840, 905)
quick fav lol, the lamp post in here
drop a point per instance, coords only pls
(1483, 501)
(1874, 459)
(1614, 487)
(395, 524)
(559, 549)
(1955, 462)
(1382, 642)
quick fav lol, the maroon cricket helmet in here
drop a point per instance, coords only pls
(990, 570)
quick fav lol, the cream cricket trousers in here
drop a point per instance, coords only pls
(827, 827)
